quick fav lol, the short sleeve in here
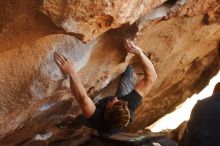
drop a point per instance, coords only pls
(133, 98)
(96, 120)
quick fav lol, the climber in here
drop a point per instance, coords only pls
(112, 113)
(203, 126)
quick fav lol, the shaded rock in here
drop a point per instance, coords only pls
(89, 19)
(28, 74)
(202, 127)
(141, 139)
(177, 134)
(41, 128)
(174, 134)
(194, 7)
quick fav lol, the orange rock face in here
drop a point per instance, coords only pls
(168, 41)
(182, 40)
(89, 19)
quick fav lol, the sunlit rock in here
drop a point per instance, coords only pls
(88, 19)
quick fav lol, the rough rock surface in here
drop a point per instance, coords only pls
(34, 75)
(167, 44)
(194, 7)
(89, 19)
(34, 94)
(21, 23)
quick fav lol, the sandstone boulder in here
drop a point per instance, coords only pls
(34, 93)
(31, 80)
(29, 73)
(179, 74)
(89, 19)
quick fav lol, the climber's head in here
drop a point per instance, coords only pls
(117, 113)
(217, 88)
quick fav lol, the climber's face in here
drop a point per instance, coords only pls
(111, 103)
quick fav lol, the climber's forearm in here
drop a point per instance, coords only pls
(149, 70)
(86, 104)
(76, 87)
(144, 85)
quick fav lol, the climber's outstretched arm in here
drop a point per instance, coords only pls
(150, 75)
(78, 91)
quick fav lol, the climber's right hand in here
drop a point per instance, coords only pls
(132, 48)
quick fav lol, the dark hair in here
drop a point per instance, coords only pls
(119, 115)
